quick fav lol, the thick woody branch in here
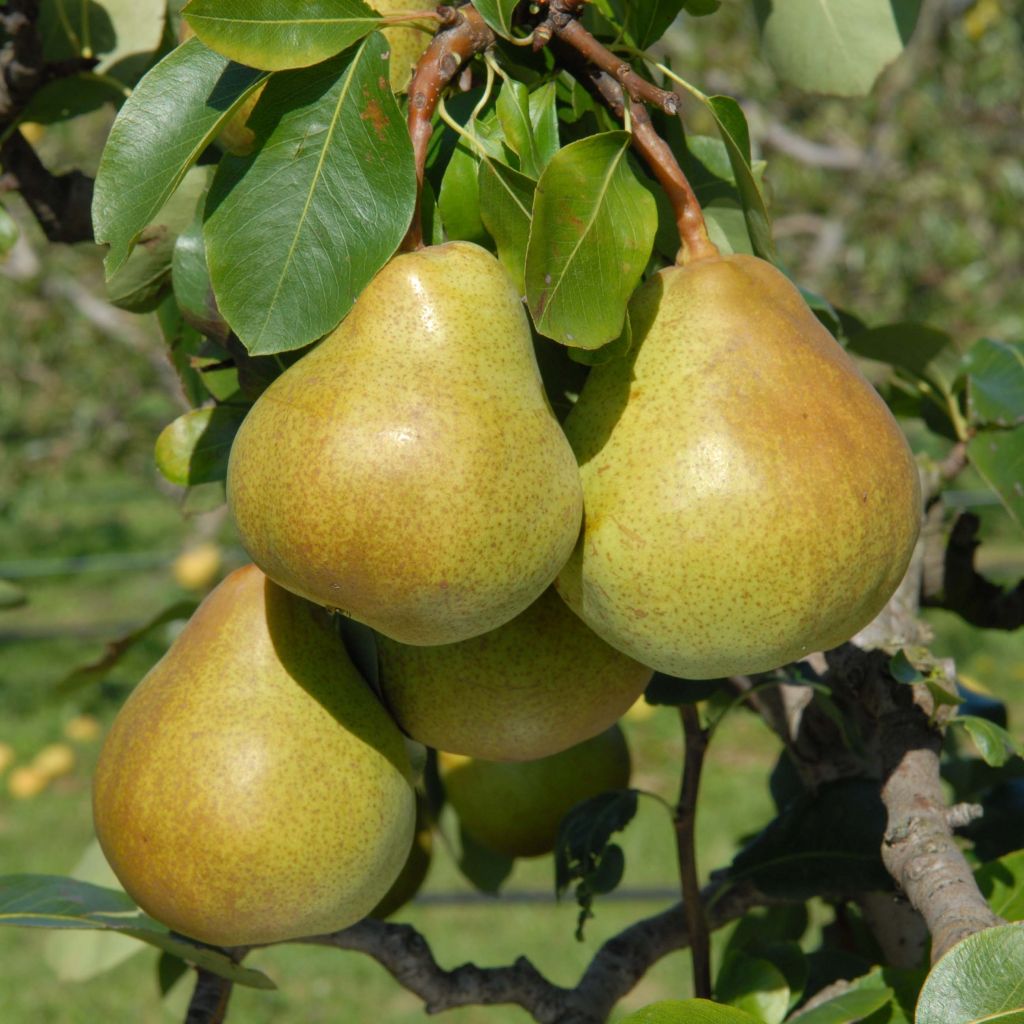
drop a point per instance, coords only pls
(464, 33)
(657, 154)
(616, 968)
(967, 592)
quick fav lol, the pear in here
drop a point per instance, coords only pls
(414, 872)
(408, 471)
(252, 789)
(749, 498)
(515, 808)
(537, 685)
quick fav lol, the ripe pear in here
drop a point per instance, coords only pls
(515, 808)
(749, 498)
(414, 872)
(407, 40)
(252, 789)
(537, 685)
(408, 471)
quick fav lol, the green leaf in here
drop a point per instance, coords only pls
(174, 113)
(194, 448)
(998, 455)
(732, 126)
(903, 670)
(994, 743)
(49, 901)
(995, 383)
(593, 230)
(65, 98)
(484, 868)
(689, 1011)
(97, 670)
(755, 985)
(829, 840)
(190, 278)
(506, 204)
(921, 353)
(279, 34)
(647, 22)
(296, 230)
(144, 279)
(121, 33)
(979, 979)
(80, 954)
(544, 118)
(839, 47)
(849, 1007)
(513, 110)
(498, 14)
(1002, 883)
(8, 231)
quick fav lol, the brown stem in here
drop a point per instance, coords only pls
(693, 232)
(209, 1002)
(465, 34)
(695, 746)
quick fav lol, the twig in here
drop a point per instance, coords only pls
(693, 232)
(616, 967)
(209, 1002)
(696, 743)
(464, 33)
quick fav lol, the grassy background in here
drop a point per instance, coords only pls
(927, 226)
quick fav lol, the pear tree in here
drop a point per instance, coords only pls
(521, 418)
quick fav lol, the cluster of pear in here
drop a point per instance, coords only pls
(729, 496)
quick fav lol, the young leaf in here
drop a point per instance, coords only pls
(513, 109)
(689, 1011)
(593, 231)
(484, 868)
(849, 1006)
(498, 14)
(1002, 883)
(998, 455)
(297, 229)
(280, 34)
(544, 118)
(994, 743)
(978, 979)
(755, 985)
(838, 47)
(194, 448)
(995, 383)
(174, 113)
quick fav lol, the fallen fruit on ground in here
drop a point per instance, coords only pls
(252, 789)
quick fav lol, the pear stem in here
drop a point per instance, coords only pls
(693, 231)
(695, 746)
(464, 34)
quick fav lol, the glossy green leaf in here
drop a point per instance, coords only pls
(727, 226)
(296, 230)
(190, 278)
(513, 110)
(980, 979)
(97, 670)
(593, 231)
(497, 14)
(995, 383)
(194, 448)
(280, 34)
(506, 204)
(8, 231)
(998, 455)
(141, 283)
(459, 197)
(50, 901)
(994, 743)
(755, 985)
(646, 23)
(849, 1007)
(732, 126)
(65, 98)
(837, 47)
(121, 34)
(1002, 883)
(689, 1011)
(544, 118)
(921, 352)
(174, 113)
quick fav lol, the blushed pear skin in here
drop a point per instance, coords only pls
(252, 788)
(748, 496)
(526, 690)
(409, 471)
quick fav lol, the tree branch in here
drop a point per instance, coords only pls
(615, 969)
(209, 1002)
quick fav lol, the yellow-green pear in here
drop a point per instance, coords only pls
(414, 872)
(409, 471)
(537, 685)
(407, 40)
(748, 496)
(515, 808)
(253, 789)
